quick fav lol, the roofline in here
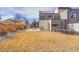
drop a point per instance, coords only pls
(64, 7)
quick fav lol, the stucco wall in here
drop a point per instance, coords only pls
(44, 25)
(63, 14)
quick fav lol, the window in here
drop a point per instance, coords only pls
(73, 15)
(54, 25)
(56, 17)
(49, 16)
(42, 17)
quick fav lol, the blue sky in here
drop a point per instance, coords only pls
(28, 12)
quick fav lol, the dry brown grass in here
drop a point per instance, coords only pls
(41, 41)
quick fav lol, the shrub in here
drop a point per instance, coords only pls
(4, 28)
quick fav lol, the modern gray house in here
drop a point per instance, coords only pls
(49, 20)
(52, 21)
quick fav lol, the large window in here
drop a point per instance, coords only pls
(73, 15)
(54, 25)
(42, 17)
(49, 16)
(56, 17)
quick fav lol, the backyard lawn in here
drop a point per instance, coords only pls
(40, 41)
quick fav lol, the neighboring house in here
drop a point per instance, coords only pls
(10, 21)
(59, 19)
(20, 21)
(74, 16)
(3, 18)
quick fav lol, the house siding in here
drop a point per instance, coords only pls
(48, 19)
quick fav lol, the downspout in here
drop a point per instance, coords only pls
(68, 15)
